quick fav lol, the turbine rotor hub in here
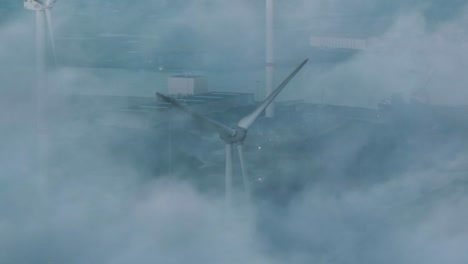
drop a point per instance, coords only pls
(238, 137)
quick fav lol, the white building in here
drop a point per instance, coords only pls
(181, 85)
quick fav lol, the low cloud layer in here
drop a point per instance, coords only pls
(409, 57)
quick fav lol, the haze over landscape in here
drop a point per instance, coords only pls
(353, 168)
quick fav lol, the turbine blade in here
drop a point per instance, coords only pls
(222, 129)
(246, 121)
(245, 177)
(51, 33)
(228, 176)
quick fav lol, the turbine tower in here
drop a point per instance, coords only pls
(43, 24)
(270, 54)
(235, 135)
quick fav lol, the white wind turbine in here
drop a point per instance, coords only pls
(43, 23)
(235, 135)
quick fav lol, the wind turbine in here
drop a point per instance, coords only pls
(43, 22)
(234, 135)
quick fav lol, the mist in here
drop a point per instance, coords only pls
(327, 187)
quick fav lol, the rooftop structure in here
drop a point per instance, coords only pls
(187, 85)
(143, 113)
(208, 102)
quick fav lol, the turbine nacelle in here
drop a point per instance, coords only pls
(38, 5)
(33, 5)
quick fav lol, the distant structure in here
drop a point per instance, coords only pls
(420, 96)
(339, 43)
(184, 85)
